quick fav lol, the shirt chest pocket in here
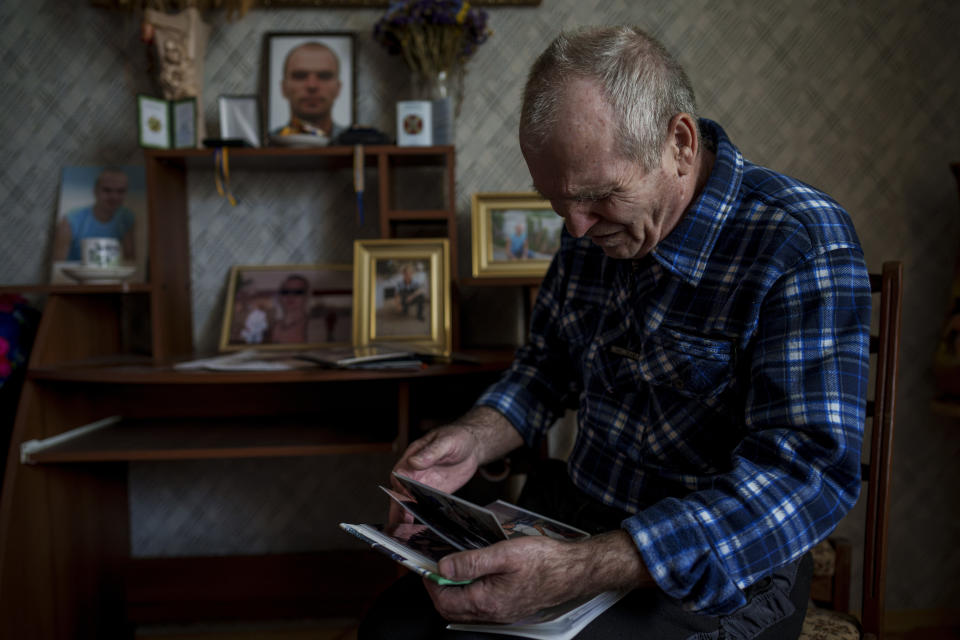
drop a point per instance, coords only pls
(672, 362)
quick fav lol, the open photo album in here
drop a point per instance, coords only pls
(447, 524)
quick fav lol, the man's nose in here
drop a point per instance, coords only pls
(578, 218)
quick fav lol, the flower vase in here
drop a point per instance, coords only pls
(444, 90)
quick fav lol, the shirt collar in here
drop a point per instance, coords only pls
(686, 250)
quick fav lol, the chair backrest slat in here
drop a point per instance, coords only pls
(877, 472)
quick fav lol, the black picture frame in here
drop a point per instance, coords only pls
(275, 108)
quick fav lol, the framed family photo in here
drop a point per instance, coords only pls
(401, 292)
(104, 206)
(514, 235)
(309, 86)
(287, 307)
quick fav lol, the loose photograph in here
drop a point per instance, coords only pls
(100, 231)
(309, 90)
(287, 307)
(514, 235)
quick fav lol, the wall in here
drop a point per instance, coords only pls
(859, 98)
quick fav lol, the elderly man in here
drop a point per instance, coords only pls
(709, 319)
(311, 84)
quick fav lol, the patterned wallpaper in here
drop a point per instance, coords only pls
(858, 97)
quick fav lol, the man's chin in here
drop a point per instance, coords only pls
(313, 113)
(615, 247)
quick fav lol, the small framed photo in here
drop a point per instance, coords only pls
(309, 86)
(240, 119)
(287, 307)
(104, 206)
(514, 235)
(167, 124)
(401, 293)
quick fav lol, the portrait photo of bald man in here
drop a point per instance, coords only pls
(309, 86)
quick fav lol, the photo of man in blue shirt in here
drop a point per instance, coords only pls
(107, 217)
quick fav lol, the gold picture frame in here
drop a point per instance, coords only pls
(401, 293)
(289, 306)
(524, 253)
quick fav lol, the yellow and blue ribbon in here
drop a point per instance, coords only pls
(221, 174)
(358, 179)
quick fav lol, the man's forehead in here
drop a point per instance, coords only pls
(561, 170)
(312, 58)
(115, 179)
(583, 132)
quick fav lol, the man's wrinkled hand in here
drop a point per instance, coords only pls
(511, 580)
(445, 458)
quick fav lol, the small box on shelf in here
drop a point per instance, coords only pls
(423, 123)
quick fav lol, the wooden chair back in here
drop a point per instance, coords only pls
(876, 471)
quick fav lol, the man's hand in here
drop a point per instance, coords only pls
(518, 577)
(447, 457)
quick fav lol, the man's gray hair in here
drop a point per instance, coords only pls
(641, 81)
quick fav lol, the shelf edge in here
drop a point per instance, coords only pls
(30, 448)
(160, 455)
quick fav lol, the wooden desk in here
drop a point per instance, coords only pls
(65, 569)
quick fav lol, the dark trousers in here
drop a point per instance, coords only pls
(408, 300)
(775, 609)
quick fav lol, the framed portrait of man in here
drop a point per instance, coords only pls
(402, 293)
(100, 205)
(309, 86)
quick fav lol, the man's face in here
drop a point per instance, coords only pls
(599, 193)
(110, 191)
(293, 296)
(311, 83)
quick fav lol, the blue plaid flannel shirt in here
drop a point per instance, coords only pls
(720, 381)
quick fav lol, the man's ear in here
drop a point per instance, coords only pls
(683, 136)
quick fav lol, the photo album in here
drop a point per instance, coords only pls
(448, 524)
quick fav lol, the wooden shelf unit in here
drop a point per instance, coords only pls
(168, 229)
(65, 567)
